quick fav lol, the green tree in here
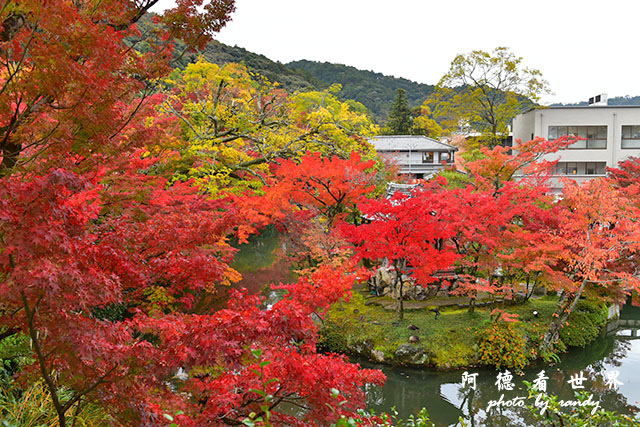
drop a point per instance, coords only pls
(400, 120)
(483, 92)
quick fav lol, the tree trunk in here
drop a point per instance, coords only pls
(401, 300)
(530, 292)
(472, 305)
(565, 308)
(398, 296)
(398, 291)
(10, 153)
(44, 369)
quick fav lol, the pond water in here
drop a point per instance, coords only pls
(409, 390)
(441, 393)
(260, 264)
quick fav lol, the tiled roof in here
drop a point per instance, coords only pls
(409, 143)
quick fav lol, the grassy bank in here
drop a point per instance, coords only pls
(454, 340)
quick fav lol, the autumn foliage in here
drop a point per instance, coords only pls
(122, 184)
(116, 210)
(407, 233)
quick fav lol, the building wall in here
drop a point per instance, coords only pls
(537, 122)
(523, 126)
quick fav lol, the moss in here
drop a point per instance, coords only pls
(363, 325)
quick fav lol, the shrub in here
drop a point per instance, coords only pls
(582, 415)
(584, 324)
(33, 407)
(331, 339)
(502, 346)
(14, 353)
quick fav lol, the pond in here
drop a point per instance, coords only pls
(260, 264)
(441, 393)
(409, 390)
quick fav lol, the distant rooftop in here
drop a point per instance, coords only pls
(409, 143)
(576, 107)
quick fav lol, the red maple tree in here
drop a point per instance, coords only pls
(598, 225)
(407, 234)
(73, 75)
(103, 254)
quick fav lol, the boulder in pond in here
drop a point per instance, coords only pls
(377, 355)
(408, 354)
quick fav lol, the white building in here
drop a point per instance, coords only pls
(417, 155)
(612, 134)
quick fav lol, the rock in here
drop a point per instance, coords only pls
(377, 355)
(356, 311)
(414, 339)
(368, 303)
(363, 347)
(408, 354)
(413, 327)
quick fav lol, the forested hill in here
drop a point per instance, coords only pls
(291, 79)
(219, 53)
(376, 91)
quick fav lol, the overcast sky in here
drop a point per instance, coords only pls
(583, 48)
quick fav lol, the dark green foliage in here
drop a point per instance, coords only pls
(584, 324)
(116, 312)
(376, 91)
(291, 79)
(400, 120)
(14, 352)
(331, 339)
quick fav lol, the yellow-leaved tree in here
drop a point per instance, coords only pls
(232, 124)
(482, 92)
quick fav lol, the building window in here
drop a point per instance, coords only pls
(630, 136)
(580, 168)
(446, 157)
(595, 137)
(427, 157)
(595, 168)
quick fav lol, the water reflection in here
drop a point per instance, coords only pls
(409, 390)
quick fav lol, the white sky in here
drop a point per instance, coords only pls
(583, 48)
